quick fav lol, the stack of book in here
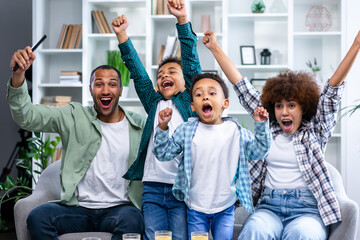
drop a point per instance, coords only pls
(171, 49)
(70, 36)
(159, 7)
(101, 22)
(70, 77)
(56, 100)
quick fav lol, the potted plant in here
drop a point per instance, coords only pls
(258, 6)
(39, 149)
(114, 59)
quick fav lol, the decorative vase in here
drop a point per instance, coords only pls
(258, 6)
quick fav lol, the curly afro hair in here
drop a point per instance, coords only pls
(300, 87)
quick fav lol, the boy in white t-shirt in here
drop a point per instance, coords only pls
(213, 170)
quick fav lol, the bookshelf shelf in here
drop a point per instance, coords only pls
(263, 67)
(60, 85)
(59, 51)
(259, 17)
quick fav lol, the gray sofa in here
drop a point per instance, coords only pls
(48, 188)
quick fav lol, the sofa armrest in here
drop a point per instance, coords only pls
(347, 228)
(22, 209)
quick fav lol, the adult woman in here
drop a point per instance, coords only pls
(297, 199)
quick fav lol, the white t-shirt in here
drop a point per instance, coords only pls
(215, 153)
(283, 170)
(155, 170)
(103, 185)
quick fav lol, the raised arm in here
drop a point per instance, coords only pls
(248, 96)
(143, 84)
(341, 72)
(35, 118)
(24, 58)
(165, 147)
(189, 56)
(231, 72)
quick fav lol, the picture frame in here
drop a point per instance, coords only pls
(258, 83)
(247, 54)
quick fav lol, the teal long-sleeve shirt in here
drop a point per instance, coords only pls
(80, 132)
(150, 98)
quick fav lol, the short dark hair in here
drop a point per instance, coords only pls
(169, 60)
(298, 86)
(211, 76)
(105, 67)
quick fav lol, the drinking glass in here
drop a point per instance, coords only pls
(199, 236)
(131, 236)
(163, 235)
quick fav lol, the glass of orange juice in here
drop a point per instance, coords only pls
(131, 236)
(163, 235)
(199, 236)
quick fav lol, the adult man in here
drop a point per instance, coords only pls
(99, 144)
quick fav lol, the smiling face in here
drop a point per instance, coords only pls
(289, 115)
(170, 80)
(209, 101)
(106, 91)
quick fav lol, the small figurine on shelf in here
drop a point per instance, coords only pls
(258, 6)
(265, 57)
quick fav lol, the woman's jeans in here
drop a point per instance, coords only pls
(50, 220)
(221, 223)
(162, 211)
(285, 214)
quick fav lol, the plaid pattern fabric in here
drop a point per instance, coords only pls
(252, 147)
(150, 98)
(309, 144)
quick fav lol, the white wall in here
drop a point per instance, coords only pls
(352, 129)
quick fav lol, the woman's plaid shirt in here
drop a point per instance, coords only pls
(309, 143)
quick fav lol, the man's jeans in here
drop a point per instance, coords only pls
(50, 220)
(221, 223)
(285, 214)
(162, 211)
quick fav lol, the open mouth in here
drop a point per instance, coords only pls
(105, 102)
(287, 124)
(167, 84)
(207, 110)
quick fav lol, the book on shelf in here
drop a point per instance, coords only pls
(69, 77)
(159, 7)
(56, 100)
(161, 54)
(100, 21)
(170, 49)
(65, 73)
(70, 36)
(104, 22)
(57, 155)
(62, 36)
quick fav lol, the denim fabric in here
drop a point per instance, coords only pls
(285, 214)
(50, 220)
(162, 211)
(221, 224)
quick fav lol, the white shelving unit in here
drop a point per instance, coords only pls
(283, 33)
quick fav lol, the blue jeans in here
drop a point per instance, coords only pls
(221, 223)
(50, 220)
(285, 214)
(162, 211)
